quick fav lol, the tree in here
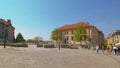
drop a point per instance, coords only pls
(56, 35)
(31, 41)
(38, 39)
(80, 34)
(19, 38)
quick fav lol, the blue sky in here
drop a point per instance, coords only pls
(39, 17)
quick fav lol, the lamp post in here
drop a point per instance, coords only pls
(59, 44)
(5, 36)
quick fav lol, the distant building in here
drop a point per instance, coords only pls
(96, 36)
(6, 25)
(114, 38)
(108, 41)
(101, 38)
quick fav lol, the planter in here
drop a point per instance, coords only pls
(65, 46)
(17, 45)
(74, 47)
(49, 46)
(39, 45)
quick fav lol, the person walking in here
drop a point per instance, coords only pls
(118, 50)
(111, 49)
(115, 49)
(97, 49)
(108, 49)
(58, 45)
(93, 48)
(103, 48)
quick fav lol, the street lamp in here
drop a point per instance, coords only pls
(59, 43)
(5, 36)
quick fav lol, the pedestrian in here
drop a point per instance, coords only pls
(118, 50)
(111, 49)
(59, 45)
(115, 49)
(93, 48)
(108, 49)
(97, 49)
(103, 48)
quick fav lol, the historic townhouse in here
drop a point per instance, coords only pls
(116, 37)
(6, 28)
(109, 40)
(96, 36)
(101, 38)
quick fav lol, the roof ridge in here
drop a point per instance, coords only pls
(72, 26)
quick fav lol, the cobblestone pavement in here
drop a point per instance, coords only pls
(53, 58)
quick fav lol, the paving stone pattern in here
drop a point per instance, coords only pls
(11, 57)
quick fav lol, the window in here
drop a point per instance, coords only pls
(2, 33)
(67, 38)
(72, 38)
(72, 32)
(60, 33)
(3, 28)
(67, 32)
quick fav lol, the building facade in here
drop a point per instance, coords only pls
(96, 36)
(6, 28)
(101, 38)
(109, 40)
(114, 38)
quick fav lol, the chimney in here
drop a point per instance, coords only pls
(88, 22)
(9, 20)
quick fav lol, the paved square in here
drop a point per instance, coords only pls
(53, 58)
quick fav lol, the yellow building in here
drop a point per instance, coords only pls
(114, 38)
(109, 41)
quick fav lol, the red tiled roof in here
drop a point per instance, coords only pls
(4, 22)
(72, 26)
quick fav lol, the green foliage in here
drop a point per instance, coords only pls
(30, 40)
(19, 45)
(38, 39)
(19, 38)
(80, 34)
(56, 35)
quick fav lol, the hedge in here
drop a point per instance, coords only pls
(74, 47)
(49, 46)
(17, 45)
(39, 45)
(65, 46)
